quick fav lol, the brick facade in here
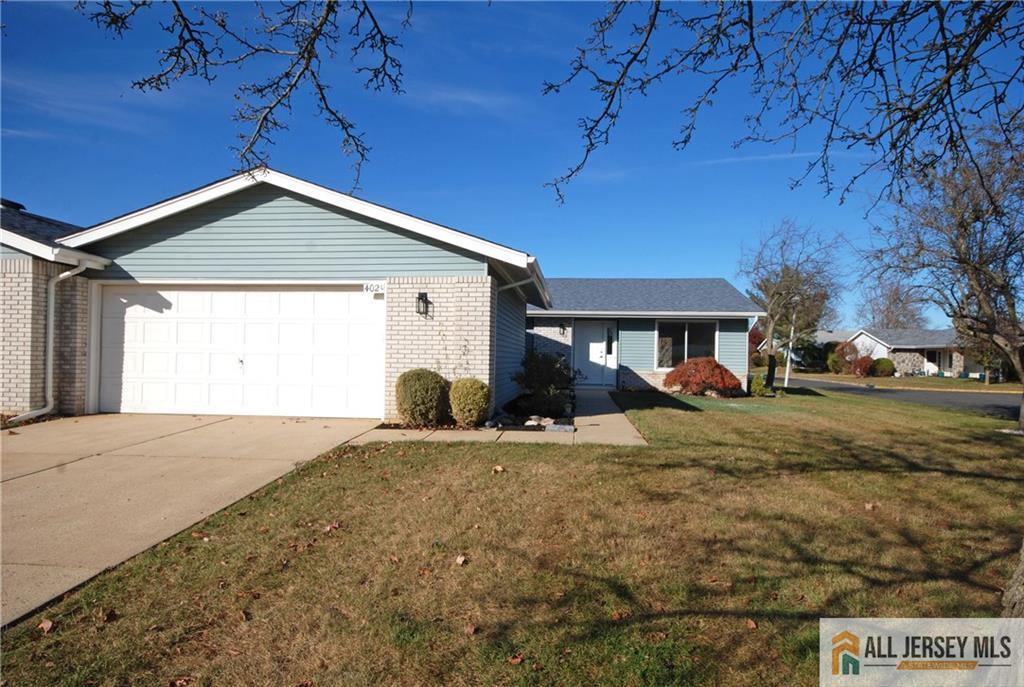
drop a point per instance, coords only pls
(23, 337)
(456, 339)
(548, 337)
(631, 380)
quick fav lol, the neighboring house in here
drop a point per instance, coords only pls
(916, 351)
(628, 333)
(259, 294)
(263, 294)
(821, 337)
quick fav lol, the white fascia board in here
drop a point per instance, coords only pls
(870, 336)
(65, 256)
(635, 314)
(342, 201)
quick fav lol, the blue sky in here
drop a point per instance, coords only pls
(470, 144)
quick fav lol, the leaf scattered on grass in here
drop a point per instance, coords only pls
(461, 560)
(45, 626)
(393, 558)
(470, 630)
(332, 526)
(872, 505)
(496, 469)
(624, 614)
(751, 625)
(516, 658)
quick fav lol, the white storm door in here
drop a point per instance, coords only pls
(596, 352)
(242, 350)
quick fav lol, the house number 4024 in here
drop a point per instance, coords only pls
(374, 287)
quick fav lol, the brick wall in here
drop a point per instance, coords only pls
(456, 339)
(548, 336)
(23, 337)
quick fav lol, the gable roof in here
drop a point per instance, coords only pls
(37, 236)
(670, 297)
(910, 338)
(519, 267)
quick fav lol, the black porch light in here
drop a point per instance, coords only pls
(422, 304)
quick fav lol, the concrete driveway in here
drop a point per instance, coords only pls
(80, 495)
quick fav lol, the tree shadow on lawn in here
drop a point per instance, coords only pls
(650, 400)
(775, 567)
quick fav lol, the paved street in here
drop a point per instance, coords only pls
(1005, 405)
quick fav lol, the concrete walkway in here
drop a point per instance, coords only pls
(80, 495)
(598, 421)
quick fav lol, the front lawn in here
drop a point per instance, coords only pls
(943, 383)
(707, 557)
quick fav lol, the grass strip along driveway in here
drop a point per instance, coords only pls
(707, 557)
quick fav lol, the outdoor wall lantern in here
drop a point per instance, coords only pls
(561, 328)
(423, 304)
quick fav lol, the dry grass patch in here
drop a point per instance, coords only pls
(705, 558)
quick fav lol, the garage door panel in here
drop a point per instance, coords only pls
(235, 350)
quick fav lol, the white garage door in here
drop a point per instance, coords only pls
(234, 350)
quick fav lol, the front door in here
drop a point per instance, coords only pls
(596, 352)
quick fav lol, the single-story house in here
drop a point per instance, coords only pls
(263, 294)
(628, 333)
(916, 351)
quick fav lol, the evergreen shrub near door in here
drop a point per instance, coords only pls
(422, 398)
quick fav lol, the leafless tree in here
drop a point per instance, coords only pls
(900, 83)
(890, 304)
(794, 280)
(958, 240)
(291, 42)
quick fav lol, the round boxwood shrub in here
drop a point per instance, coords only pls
(470, 400)
(884, 368)
(422, 397)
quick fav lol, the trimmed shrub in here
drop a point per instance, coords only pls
(422, 397)
(884, 368)
(697, 376)
(840, 361)
(862, 366)
(757, 359)
(544, 373)
(758, 387)
(470, 400)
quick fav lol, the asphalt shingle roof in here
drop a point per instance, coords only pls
(916, 338)
(646, 295)
(36, 227)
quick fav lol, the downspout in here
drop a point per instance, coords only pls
(51, 291)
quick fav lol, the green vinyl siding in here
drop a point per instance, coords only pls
(509, 345)
(732, 347)
(265, 232)
(636, 345)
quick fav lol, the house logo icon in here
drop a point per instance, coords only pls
(846, 654)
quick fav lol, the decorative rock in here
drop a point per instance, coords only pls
(559, 428)
(531, 423)
(547, 421)
(490, 424)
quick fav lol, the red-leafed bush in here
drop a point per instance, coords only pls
(862, 366)
(697, 376)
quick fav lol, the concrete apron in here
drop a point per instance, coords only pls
(80, 495)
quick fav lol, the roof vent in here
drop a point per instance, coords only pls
(11, 205)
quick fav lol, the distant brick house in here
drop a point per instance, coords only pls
(916, 351)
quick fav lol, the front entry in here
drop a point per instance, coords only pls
(595, 352)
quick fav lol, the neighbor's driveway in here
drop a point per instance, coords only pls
(83, 494)
(1004, 405)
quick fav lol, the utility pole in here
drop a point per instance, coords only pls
(789, 350)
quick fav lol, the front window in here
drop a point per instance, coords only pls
(678, 341)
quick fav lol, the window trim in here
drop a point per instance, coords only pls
(686, 334)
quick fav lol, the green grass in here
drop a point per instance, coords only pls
(940, 383)
(588, 565)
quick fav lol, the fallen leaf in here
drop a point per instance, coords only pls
(12, 433)
(45, 626)
(246, 615)
(107, 615)
(461, 560)
(516, 659)
(871, 506)
(621, 615)
(331, 527)
(470, 630)
(751, 625)
(183, 681)
(198, 534)
(497, 468)
(393, 558)
(423, 572)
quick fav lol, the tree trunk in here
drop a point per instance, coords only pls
(1020, 413)
(988, 376)
(769, 378)
(1013, 597)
